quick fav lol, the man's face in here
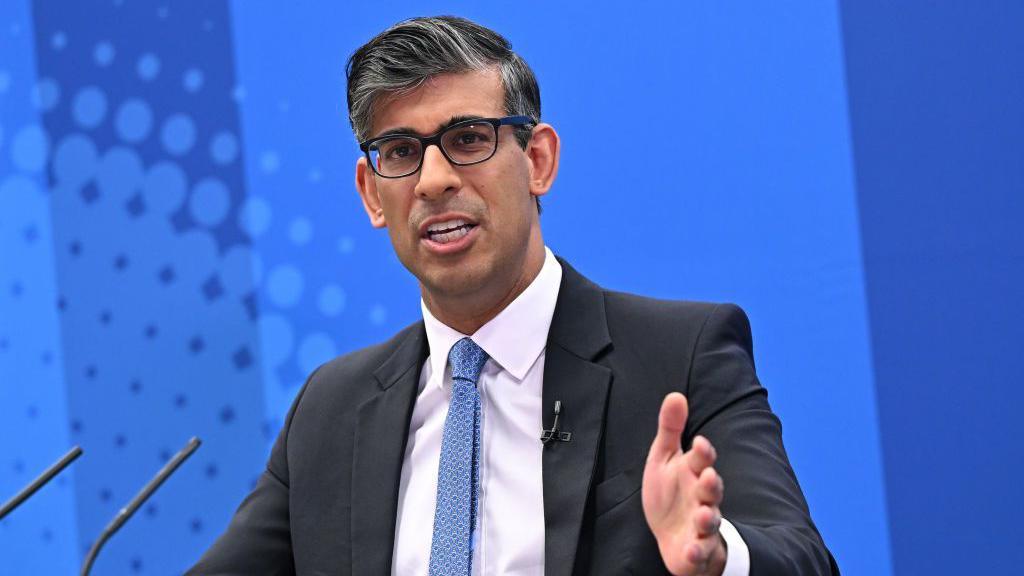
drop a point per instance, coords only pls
(487, 208)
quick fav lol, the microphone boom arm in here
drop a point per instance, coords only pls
(38, 483)
(125, 513)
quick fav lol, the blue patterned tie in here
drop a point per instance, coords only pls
(458, 478)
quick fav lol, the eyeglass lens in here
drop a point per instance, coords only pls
(462, 144)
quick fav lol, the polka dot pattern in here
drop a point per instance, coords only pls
(46, 94)
(300, 232)
(35, 428)
(285, 285)
(178, 134)
(134, 120)
(209, 202)
(148, 66)
(103, 54)
(128, 152)
(164, 187)
(255, 216)
(90, 107)
(75, 160)
(224, 148)
(331, 300)
(29, 149)
(192, 80)
(198, 269)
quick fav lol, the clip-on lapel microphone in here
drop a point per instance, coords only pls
(554, 434)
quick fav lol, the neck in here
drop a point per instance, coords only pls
(467, 313)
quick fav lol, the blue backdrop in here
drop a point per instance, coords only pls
(181, 244)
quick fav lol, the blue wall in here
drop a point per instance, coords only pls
(34, 414)
(180, 244)
(937, 114)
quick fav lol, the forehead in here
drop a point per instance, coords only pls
(428, 107)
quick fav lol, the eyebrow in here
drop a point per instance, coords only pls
(407, 131)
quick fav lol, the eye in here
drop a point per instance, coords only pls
(470, 137)
(400, 149)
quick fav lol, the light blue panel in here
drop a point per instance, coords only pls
(326, 283)
(706, 155)
(160, 339)
(41, 536)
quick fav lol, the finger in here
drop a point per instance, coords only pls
(671, 422)
(699, 553)
(701, 455)
(710, 487)
(706, 521)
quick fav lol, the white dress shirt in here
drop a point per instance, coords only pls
(510, 529)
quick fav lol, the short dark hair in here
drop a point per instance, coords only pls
(402, 57)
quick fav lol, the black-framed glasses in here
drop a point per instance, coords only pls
(463, 143)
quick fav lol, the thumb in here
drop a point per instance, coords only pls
(671, 422)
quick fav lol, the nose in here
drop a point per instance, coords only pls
(437, 175)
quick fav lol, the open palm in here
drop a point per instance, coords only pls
(681, 496)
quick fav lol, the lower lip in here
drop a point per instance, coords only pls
(451, 247)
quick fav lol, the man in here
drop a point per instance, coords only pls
(425, 454)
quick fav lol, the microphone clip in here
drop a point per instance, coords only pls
(554, 433)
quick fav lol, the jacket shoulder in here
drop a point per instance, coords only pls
(676, 316)
(658, 328)
(638, 308)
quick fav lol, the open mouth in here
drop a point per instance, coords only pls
(448, 231)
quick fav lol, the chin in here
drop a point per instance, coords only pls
(458, 279)
(454, 282)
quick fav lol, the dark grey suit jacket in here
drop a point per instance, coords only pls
(326, 503)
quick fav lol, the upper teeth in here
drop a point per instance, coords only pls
(438, 226)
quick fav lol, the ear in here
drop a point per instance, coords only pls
(366, 184)
(542, 153)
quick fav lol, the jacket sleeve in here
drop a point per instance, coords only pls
(762, 498)
(258, 539)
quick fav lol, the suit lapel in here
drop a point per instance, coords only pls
(578, 335)
(382, 428)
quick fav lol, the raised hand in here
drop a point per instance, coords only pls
(681, 495)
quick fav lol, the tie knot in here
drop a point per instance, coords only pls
(467, 359)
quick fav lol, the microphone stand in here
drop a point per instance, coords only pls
(125, 513)
(38, 483)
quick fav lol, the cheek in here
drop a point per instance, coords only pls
(508, 190)
(396, 206)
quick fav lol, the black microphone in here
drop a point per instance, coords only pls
(125, 513)
(554, 433)
(38, 483)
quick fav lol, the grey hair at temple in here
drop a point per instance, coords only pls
(402, 57)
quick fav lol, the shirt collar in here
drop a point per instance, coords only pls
(515, 337)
